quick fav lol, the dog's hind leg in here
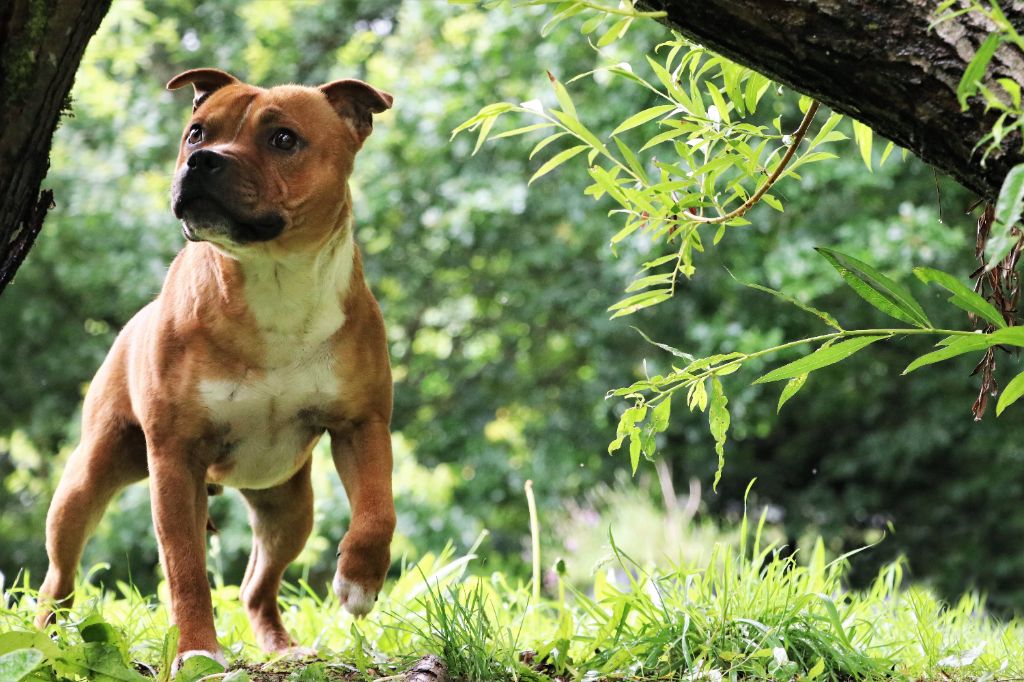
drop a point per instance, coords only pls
(281, 518)
(111, 455)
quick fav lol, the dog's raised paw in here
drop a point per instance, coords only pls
(356, 599)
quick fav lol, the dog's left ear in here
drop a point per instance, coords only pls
(357, 101)
(205, 82)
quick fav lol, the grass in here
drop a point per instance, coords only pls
(741, 614)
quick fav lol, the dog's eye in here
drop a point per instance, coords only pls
(284, 139)
(195, 134)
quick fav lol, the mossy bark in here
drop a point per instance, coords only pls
(41, 46)
(875, 60)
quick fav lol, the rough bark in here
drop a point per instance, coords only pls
(874, 60)
(41, 46)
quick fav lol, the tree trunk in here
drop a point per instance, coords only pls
(41, 45)
(874, 60)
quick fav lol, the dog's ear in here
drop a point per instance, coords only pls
(205, 82)
(358, 102)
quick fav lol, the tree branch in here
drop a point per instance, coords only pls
(874, 60)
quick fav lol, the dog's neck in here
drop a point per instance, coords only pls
(295, 299)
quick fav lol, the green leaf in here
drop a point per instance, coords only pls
(1008, 210)
(661, 413)
(665, 136)
(488, 112)
(563, 12)
(95, 629)
(642, 117)
(53, 655)
(728, 369)
(790, 389)
(991, 99)
(609, 183)
(1012, 88)
(773, 202)
(545, 142)
(812, 157)
(660, 260)
(697, 396)
(645, 299)
(615, 32)
(168, 650)
(563, 96)
(196, 668)
(862, 136)
(629, 228)
(975, 70)
(877, 289)
(718, 418)
(667, 80)
(631, 160)
(826, 128)
(757, 85)
(820, 314)
(823, 357)
(1011, 336)
(816, 670)
(836, 621)
(719, 101)
(1010, 394)
(522, 131)
(17, 664)
(485, 129)
(886, 152)
(958, 346)
(577, 128)
(16, 639)
(650, 280)
(627, 425)
(591, 24)
(963, 296)
(635, 444)
(557, 160)
(102, 661)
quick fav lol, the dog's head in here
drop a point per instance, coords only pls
(268, 165)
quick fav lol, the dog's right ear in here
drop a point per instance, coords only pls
(205, 82)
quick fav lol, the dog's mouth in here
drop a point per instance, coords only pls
(205, 218)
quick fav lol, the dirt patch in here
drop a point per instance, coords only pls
(428, 669)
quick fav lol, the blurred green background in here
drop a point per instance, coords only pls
(495, 297)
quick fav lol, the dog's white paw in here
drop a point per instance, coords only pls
(356, 599)
(185, 655)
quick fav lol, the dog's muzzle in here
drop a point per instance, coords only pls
(200, 198)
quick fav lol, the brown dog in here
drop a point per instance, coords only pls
(264, 337)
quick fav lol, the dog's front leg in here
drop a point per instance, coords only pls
(178, 492)
(362, 456)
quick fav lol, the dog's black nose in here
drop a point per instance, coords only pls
(206, 161)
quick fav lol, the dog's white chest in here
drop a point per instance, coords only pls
(262, 424)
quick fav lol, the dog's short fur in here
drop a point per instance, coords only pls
(264, 337)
